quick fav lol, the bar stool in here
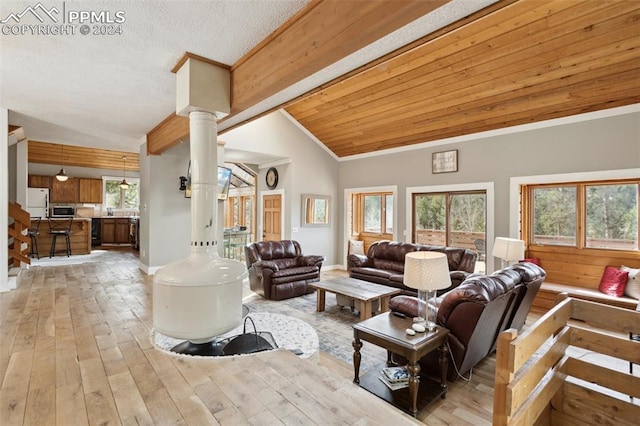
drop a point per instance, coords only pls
(34, 232)
(60, 227)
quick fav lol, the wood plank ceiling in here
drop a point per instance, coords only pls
(525, 62)
(70, 155)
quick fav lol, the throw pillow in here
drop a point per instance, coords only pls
(613, 281)
(535, 260)
(633, 283)
(356, 247)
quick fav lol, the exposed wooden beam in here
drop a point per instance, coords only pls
(167, 134)
(70, 155)
(322, 33)
(188, 55)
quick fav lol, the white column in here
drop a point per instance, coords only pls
(204, 176)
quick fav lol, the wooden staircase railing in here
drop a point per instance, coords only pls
(18, 230)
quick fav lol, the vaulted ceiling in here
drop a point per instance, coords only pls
(439, 69)
(525, 62)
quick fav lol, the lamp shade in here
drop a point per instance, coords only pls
(508, 249)
(426, 270)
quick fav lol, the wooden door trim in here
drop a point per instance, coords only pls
(260, 229)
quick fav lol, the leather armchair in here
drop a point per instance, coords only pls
(278, 269)
(477, 311)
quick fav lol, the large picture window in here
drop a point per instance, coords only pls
(450, 219)
(599, 215)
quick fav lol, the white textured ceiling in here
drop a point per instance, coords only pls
(108, 91)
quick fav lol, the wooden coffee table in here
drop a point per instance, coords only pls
(363, 292)
(389, 332)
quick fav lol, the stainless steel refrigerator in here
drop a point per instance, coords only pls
(38, 202)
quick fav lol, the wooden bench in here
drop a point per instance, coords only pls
(559, 371)
(548, 293)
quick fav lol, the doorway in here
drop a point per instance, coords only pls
(272, 220)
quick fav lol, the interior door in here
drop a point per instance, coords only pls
(271, 217)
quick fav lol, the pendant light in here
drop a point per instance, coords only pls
(124, 184)
(62, 176)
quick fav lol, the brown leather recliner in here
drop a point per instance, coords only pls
(477, 311)
(384, 263)
(278, 269)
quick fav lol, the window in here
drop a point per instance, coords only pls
(554, 215)
(372, 213)
(118, 198)
(449, 219)
(601, 215)
(375, 213)
(238, 211)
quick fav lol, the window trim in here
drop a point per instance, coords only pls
(581, 233)
(487, 187)
(515, 227)
(348, 194)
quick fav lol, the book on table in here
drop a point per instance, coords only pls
(395, 377)
(396, 374)
(393, 385)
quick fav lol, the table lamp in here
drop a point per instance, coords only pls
(508, 249)
(426, 271)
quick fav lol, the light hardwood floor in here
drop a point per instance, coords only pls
(75, 349)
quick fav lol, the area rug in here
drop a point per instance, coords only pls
(289, 333)
(334, 325)
(74, 259)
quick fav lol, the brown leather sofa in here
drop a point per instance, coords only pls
(384, 263)
(278, 269)
(477, 311)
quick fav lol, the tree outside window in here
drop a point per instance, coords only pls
(607, 215)
(119, 198)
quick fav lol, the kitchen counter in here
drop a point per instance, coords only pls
(80, 236)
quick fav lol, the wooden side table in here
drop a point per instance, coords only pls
(388, 332)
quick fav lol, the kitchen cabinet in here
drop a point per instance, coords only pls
(115, 230)
(64, 192)
(36, 181)
(90, 190)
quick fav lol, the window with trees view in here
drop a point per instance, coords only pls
(373, 213)
(450, 219)
(119, 198)
(602, 215)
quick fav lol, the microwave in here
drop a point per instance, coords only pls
(63, 211)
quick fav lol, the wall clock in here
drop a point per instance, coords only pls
(272, 178)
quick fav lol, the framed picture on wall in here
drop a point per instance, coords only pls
(444, 162)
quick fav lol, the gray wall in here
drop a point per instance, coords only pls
(165, 223)
(311, 170)
(163, 208)
(603, 144)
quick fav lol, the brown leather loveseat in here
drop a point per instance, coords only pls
(477, 311)
(384, 263)
(278, 269)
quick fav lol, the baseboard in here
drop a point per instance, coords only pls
(148, 270)
(332, 267)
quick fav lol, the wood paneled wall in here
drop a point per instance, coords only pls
(584, 268)
(71, 155)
